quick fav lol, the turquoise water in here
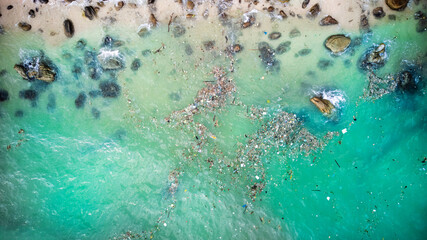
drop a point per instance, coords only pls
(105, 170)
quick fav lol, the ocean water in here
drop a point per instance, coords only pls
(77, 164)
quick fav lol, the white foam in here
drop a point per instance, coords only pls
(336, 97)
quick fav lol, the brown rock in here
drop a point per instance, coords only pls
(249, 22)
(378, 12)
(189, 16)
(364, 23)
(283, 14)
(270, 9)
(305, 3)
(24, 26)
(68, 28)
(100, 4)
(324, 105)
(190, 5)
(119, 5)
(44, 73)
(397, 5)
(153, 20)
(337, 43)
(21, 70)
(328, 20)
(314, 11)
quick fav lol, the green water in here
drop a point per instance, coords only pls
(71, 175)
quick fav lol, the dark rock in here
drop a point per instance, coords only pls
(270, 9)
(364, 23)
(314, 11)
(378, 12)
(3, 73)
(283, 14)
(109, 89)
(392, 17)
(151, 1)
(81, 44)
(283, 47)
(422, 25)
(294, 33)
(95, 113)
(44, 1)
(305, 3)
(136, 64)
(188, 49)
(406, 82)
(419, 15)
(397, 5)
(51, 102)
(267, 54)
(80, 100)
(9, 7)
(28, 94)
(90, 12)
(274, 35)
(209, 45)
(32, 13)
(19, 113)
(328, 20)
(304, 52)
(337, 43)
(324, 64)
(178, 31)
(107, 41)
(68, 28)
(24, 26)
(4, 95)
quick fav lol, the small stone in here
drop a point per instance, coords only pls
(9, 7)
(270, 9)
(109, 89)
(397, 5)
(337, 43)
(305, 3)
(32, 13)
(328, 20)
(294, 33)
(283, 14)
(274, 35)
(189, 16)
(100, 4)
(136, 64)
(68, 28)
(314, 11)
(190, 5)
(90, 12)
(119, 5)
(24, 26)
(378, 12)
(283, 47)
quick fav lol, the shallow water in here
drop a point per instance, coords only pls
(103, 170)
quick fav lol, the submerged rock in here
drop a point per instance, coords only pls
(267, 54)
(68, 28)
(406, 82)
(178, 31)
(274, 35)
(19, 113)
(109, 89)
(119, 5)
(95, 113)
(4, 95)
(397, 5)
(337, 43)
(24, 26)
(304, 52)
(283, 47)
(136, 64)
(111, 60)
(324, 64)
(364, 23)
(294, 33)
(188, 49)
(378, 12)
(80, 100)
(28, 94)
(90, 12)
(374, 58)
(51, 102)
(422, 25)
(324, 105)
(328, 20)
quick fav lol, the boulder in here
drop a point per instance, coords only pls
(378, 12)
(43, 73)
(68, 28)
(374, 58)
(397, 5)
(274, 35)
(24, 26)
(328, 20)
(324, 105)
(314, 11)
(337, 43)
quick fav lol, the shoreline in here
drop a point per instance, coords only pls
(48, 18)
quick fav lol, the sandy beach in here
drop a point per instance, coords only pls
(47, 19)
